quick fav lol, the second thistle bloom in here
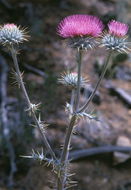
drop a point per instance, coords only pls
(116, 38)
(80, 29)
(117, 28)
(10, 34)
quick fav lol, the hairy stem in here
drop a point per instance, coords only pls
(97, 85)
(21, 83)
(62, 179)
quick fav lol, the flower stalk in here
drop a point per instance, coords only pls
(32, 111)
(72, 100)
(62, 179)
(79, 57)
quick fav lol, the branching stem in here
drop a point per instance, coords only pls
(65, 153)
(97, 85)
(33, 114)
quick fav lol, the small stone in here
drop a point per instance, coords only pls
(118, 156)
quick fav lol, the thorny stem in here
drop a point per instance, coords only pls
(64, 157)
(73, 119)
(65, 152)
(67, 140)
(21, 83)
(97, 85)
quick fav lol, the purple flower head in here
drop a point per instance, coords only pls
(117, 28)
(80, 25)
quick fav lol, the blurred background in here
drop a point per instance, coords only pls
(42, 59)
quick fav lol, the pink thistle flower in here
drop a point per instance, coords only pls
(11, 34)
(116, 39)
(80, 25)
(117, 28)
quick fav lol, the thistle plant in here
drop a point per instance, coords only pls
(82, 33)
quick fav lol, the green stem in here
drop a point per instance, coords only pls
(97, 85)
(21, 83)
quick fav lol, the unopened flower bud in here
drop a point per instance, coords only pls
(70, 80)
(10, 34)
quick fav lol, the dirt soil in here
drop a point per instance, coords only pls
(47, 52)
